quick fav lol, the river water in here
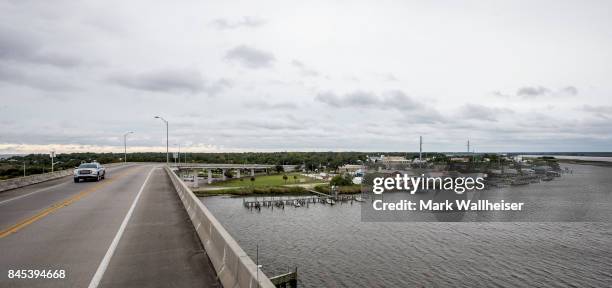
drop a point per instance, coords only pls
(332, 247)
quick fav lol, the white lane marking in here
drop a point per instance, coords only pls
(32, 193)
(95, 281)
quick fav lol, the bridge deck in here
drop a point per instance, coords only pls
(70, 226)
(160, 244)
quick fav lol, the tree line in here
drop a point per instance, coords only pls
(41, 163)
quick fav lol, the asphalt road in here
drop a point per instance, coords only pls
(127, 230)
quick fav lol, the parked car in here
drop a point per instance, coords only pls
(89, 171)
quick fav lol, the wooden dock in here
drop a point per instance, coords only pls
(287, 280)
(297, 201)
(280, 202)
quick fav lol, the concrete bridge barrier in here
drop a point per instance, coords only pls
(15, 183)
(234, 267)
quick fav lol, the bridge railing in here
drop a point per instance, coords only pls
(234, 267)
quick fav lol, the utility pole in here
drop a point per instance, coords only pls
(24, 171)
(125, 146)
(468, 146)
(167, 145)
(420, 148)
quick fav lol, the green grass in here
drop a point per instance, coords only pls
(253, 191)
(266, 181)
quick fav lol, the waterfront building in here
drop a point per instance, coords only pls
(350, 168)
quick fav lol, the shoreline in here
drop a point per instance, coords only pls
(585, 162)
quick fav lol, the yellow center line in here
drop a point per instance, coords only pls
(61, 204)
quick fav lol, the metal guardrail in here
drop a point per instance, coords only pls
(233, 266)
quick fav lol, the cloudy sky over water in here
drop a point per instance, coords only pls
(306, 75)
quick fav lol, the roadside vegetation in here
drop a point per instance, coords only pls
(41, 163)
(342, 182)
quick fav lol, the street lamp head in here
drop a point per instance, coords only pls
(161, 118)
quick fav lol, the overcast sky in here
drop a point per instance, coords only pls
(306, 75)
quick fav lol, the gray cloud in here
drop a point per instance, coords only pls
(185, 80)
(24, 46)
(393, 99)
(47, 82)
(500, 94)
(399, 100)
(423, 116)
(532, 91)
(250, 57)
(389, 100)
(537, 91)
(304, 70)
(352, 99)
(248, 22)
(271, 125)
(604, 112)
(598, 109)
(570, 90)
(481, 112)
(268, 105)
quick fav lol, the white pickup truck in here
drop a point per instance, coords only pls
(89, 171)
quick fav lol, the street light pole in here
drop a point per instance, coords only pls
(174, 155)
(125, 145)
(52, 163)
(167, 146)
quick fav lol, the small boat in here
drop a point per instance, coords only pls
(330, 201)
(359, 199)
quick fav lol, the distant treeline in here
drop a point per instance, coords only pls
(589, 154)
(40, 163)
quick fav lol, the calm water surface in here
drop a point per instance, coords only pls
(332, 247)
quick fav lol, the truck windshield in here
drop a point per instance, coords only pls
(88, 166)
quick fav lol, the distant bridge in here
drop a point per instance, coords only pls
(192, 168)
(223, 166)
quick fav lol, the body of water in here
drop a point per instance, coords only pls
(332, 247)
